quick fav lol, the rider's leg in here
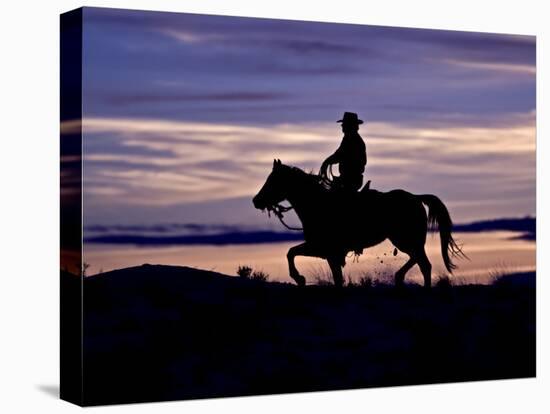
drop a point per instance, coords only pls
(351, 182)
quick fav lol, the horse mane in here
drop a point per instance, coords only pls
(309, 178)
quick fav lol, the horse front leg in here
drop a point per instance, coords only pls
(302, 249)
(336, 263)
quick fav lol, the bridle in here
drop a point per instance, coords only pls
(279, 210)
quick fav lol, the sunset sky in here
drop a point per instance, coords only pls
(184, 114)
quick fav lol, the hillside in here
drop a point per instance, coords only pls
(162, 332)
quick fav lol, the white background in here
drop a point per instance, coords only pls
(29, 236)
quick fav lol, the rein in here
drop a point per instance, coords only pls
(279, 210)
(327, 179)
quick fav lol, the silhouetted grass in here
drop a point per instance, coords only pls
(365, 281)
(443, 282)
(321, 275)
(500, 270)
(246, 272)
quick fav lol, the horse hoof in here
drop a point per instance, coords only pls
(300, 280)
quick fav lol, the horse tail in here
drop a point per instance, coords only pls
(438, 217)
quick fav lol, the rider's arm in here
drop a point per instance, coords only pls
(332, 159)
(336, 157)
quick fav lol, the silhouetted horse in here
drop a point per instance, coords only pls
(335, 223)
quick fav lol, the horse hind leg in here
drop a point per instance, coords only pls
(400, 274)
(425, 268)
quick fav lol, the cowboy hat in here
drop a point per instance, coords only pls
(350, 118)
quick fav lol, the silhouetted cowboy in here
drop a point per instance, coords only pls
(351, 156)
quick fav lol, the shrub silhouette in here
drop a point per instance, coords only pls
(259, 276)
(246, 272)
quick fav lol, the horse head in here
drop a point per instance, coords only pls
(274, 189)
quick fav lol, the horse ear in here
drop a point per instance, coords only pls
(274, 163)
(279, 161)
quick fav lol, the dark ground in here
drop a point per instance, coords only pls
(163, 333)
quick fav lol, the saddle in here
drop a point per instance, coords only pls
(335, 185)
(366, 187)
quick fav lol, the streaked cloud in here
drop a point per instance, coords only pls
(194, 97)
(496, 67)
(203, 162)
(190, 37)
